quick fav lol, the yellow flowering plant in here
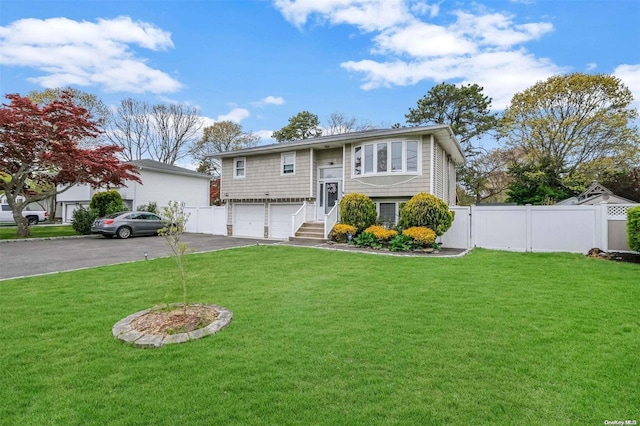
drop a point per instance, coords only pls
(421, 235)
(340, 232)
(381, 233)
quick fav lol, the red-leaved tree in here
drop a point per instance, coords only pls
(39, 148)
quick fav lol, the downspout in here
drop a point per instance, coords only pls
(344, 164)
(312, 170)
(432, 172)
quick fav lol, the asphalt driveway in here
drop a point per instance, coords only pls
(34, 257)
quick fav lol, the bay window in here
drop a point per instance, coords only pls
(389, 157)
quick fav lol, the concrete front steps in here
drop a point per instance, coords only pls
(310, 231)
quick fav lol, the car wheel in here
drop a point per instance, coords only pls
(33, 220)
(124, 232)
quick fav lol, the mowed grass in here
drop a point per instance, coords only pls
(38, 231)
(323, 337)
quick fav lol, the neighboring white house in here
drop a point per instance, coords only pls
(161, 183)
(264, 186)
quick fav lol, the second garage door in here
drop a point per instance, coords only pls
(280, 219)
(248, 220)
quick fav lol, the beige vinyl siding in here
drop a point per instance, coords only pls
(263, 175)
(325, 158)
(389, 186)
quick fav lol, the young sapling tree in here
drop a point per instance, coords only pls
(176, 221)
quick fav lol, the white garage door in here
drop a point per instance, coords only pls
(69, 209)
(280, 219)
(248, 220)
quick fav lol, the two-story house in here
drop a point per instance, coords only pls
(272, 190)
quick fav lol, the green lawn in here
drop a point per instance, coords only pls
(38, 231)
(323, 337)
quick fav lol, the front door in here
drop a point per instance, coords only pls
(331, 192)
(329, 188)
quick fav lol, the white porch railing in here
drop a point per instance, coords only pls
(330, 219)
(305, 213)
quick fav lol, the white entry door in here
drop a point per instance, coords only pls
(329, 194)
(329, 188)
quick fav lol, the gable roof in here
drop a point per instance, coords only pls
(157, 166)
(443, 134)
(594, 194)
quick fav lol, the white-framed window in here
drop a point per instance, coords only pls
(288, 163)
(387, 158)
(239, 167)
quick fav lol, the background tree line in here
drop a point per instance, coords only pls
(549, 144)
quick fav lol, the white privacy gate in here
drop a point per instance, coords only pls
(539, 228)
(207, 220)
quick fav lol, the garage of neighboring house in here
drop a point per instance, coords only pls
(280, 217)
(248, 220)
(68, 209)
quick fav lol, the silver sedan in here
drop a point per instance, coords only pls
(127, 224)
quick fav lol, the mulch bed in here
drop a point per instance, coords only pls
(171, 321)
(615, 256)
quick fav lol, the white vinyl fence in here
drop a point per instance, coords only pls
(539, 228)
(207, 220)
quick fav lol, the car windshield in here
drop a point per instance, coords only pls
(113, 215)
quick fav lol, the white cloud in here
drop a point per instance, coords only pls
(265, 135)
(423, 8)
(630, 76)
(476, 46)
(368, 15)
(83, 53)
(420, 39)
(498, 29)
(270, 100)
(502, 74)
(236, 115)
(591, 66)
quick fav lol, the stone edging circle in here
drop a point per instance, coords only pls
(123, 331)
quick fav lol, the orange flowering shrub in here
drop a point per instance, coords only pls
(381, 233)
(340, 231)
(421, 235)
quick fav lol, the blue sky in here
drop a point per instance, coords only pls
(259, 62)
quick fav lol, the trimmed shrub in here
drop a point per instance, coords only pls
(358, 210)
(340, 231)
(426, 210)
(107, 202)
(82, 219)
(421, 235)
(633, 228)
(381, 232)
(152, 207)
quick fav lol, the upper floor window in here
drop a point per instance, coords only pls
(386, 158)
(239, 167)
(288, 163)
